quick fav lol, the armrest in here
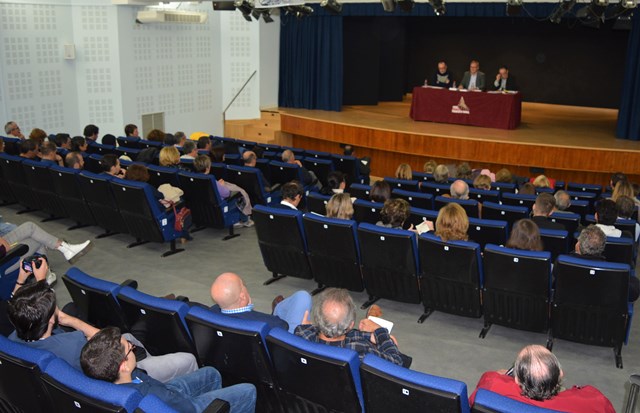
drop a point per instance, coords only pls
(129, 283)
(15, 252)
(218, 406)
(273, 187)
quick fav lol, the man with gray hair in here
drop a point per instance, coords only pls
(441, 174)
(333, 318)
(308, 177)
(563, 202)
(12, 130)
(536, 379)
(459, 190)
(190, 150)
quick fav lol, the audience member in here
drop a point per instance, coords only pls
(626, 207)
(169, 156)
(363, 165)
(250, 159)
(292, 193)
(394, 213)
(308, 177)
(624, 188)
(441, 174)
(78, 144)
(49, 154)
(537, 380)
(541, 181)
(504, 176)
(525, 235)
(63, 141)
(459, 189)
(380, 192)
(429, 167)
(170, 139)
(217, 154)
(110, 164)
(202, 164)
(74, 160)
(464, 171)
(563, 202)
(140, 173)
(204, 143)
(482, 182)
(333, 320)
(452, 223)
(131, 130)
(12, 130)
(29, 149)
(404, 172)
(340, 206)
(606, 216)
(190, 150)
(38, 135)
(527, 189)
(232, 298)
(336, 183)
(181, 138)
(109, 139)
(542, 208)
(110, 356)
(156, 135)
(91, 133)
(617, 177)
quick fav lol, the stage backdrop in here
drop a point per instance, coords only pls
(385, 57)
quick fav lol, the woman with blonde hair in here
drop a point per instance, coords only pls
(404, 171)
(504, 176)
(525, 235)
(452, 223)
(340, 206)
(430, 166)
(541, 181)
(482, 182)
(623, 188)
(169, 156)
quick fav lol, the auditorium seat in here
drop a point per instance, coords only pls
(435, 189)
(207, 207)
(482, 195)
(72, 391)
(21, 368)
(315, 377)
(571, 221)
(282, 242)
(92, 163)
(317, 154)
(628, 225)
(544, 189)
(518, 200)
(503, 187)
(334, 253)
(591, 290)
(231, 147)
(403, 184)
(67, 188)
(450, 276)
(517, 289)
(417, 216)
(489, 402)
(366, 211)
(555, 241)
(270, 147)
(145, 143)
(233, 159)
(317, 203)
(263, 166)
(146, 219)
(390, 265)
(281, 172)
(321, 167)
(415, 199)
(590, 197)
(187, 165)
(579, 207)
(251, 180)
(129, 142)
(508, 213)
(159, 175)
(487, 231)
(348, 165)
(245, 145)
(96, 190)
(96, 299)
(620, 250)
(387, 387)
(130, 152)
(218, 170)
(14, 174)
(11, 145)
(470, 206)
(158, 323)
(593, 188)
(6, 194)
(100, 149)
(225, 342)
(421, 176)
(359, 191)
(41, 183)
(8, 278)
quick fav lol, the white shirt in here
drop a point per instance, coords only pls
(610, 230)
(289, 204)
(472, 81)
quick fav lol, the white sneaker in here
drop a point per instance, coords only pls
(238, 225)
(248, 223)
(51, 277)
(72, 252)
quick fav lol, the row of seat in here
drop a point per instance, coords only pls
(286, 369)
(509, 287)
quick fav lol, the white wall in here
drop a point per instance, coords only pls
(123, 69)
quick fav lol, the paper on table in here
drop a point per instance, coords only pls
(382, 322)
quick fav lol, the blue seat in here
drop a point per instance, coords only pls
(390, 265)
(97, 192)
(14, 174)
(559, 185)
(359, 191)
(580, 207)
(11, 145)
(92, 163)
(21, 368)
(518, 200)
(317, 154)
(245, 145)
(435, 189)
(517, 289)
(487, 231)
(96, 299)
(366, 211)
(282, 242)
(421, 176)
(508, 213)
(219, 170)
(224, 342)
(555, 241)
(570, 220)
(145, 143)
(489, 402)
(628, 225)
(503, 187)
(208, 208)
(70, 391)
(450, 276)
(404, 184)
(8, 278)
(132, 153)
(145, 218)
(317, 203)
(415, 199)
(299, 364)
(100, 149)
(470, 206)
(158, 323)
(41, 183)
(620, 250)
(348, 165)
(577, 187)
(387, 387)
(590, 197)
(233, 159)
(67, 187)
(281, 173)
(418, 215)
(231, 147)
(334, 253)
(544, 189)
(482, 195)
(271, 147)
(6, 193)
(252, 181)
(321, 167)
(595, 291)
(129, 142)
(159, 175)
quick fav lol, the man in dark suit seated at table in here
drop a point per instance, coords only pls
(504, 81)
(443, 77)
(473, 79)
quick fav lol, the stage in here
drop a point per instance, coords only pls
(571, 143)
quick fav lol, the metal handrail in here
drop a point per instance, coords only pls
(224, 112)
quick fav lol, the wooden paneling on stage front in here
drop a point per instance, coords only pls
(572, 143)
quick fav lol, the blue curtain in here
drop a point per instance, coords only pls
(629, 116)
(311, 62)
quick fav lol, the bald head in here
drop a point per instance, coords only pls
(459, 189)
(229, 292)
(537, 372)
(249, 158)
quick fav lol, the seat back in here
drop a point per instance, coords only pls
(389, 263)
(435, 189)
(517, 288)
(503, 187)
(508, 213)
(159, 175)
(250, 179)
(208, 209)
(157, 322)
(590, 290)
(403, 184)
(71, 391)
(100, 149)
(11, 145)
(129, 142)
(96, 190)
(569, 220)
(17, 180)
(417, 216)
(620, 250)
(321, 167)
(6, 193)
(317, 203)
(219, 170)
(299, 364)
(366, 211)
(580, 207)
(281, 172)
(21, 367)
(95, 299)
(359, 191)
(482, 195)
(415, 199)
(450, 276)
(555, 241)
(348, 165)
(132, 153)
(470, 206)
(519, 200)
(334, 253)
(489, 402)
(224, 342)
(590, 197)
(41, 183)
(487, 231)
(577, 187)
(67, 188)
(282, 241)
(387, 387)
(421, 176)
(92, 163)
(8, 278)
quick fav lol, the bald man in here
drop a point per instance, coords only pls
(536, 379)
(459, 189)
(232, 298)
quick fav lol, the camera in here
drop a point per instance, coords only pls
(26, 262)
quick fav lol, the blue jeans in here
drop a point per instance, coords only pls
(203, 386)
(292, 308)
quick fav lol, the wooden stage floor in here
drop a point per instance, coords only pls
(572, 142)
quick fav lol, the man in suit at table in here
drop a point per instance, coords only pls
(443, 77)
(473, 79)
(504, 81)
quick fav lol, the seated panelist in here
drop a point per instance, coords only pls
(473, 79)
(504, 81)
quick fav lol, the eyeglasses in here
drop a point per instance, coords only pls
(132, 347)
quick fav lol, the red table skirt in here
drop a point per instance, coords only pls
(491, 110)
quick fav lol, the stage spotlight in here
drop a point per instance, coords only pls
(333, 6)
(623, 8)
(593, 14)
(265, 13)
(388, 5)
(299, 11)
(245, 7)
(563, 8)
(514, 7)
(406, 5)
(439, 7)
